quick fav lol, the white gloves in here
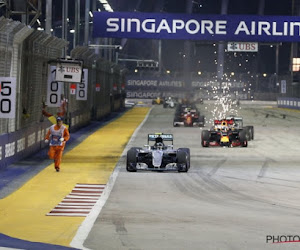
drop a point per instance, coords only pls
(46, 141)
(62, 139)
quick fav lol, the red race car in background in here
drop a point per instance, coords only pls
(188, 116)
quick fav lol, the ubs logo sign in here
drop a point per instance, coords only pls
(242, 47)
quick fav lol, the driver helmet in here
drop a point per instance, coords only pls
(158, 139)
(159, 145)
(224, 129)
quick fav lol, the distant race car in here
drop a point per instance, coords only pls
(169, 102)
(158, 101)
(224, 133)
(238, 124)
(188, 116)
(158, 156)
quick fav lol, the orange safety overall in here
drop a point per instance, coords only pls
(56, 146)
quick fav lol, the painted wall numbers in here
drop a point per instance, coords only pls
(81, 93)
(7, 97)
(54, 89)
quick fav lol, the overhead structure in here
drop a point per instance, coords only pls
(29, 10)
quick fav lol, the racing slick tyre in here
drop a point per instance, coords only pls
(205, 138)
(201, 121)
(188, 153)
(243, 138)
(131, 160)
(251, 131)
(175, 122)
(182, 159)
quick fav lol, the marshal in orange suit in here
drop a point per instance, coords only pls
(57, 137)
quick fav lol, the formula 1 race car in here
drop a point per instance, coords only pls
(238, 124)
(159, 156)
(188, 116)
(169, 103)
(224, 133)
(158, 101)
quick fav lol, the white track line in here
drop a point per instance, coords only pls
(67, 214)
(90, 185)
(88, 189)
(79, 202)
(76, 206)
(87, 225)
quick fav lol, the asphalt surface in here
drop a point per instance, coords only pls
(231, 198)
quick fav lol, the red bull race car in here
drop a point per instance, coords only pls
(224, 133)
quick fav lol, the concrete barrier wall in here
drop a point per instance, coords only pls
(288, 102)
(22, 143)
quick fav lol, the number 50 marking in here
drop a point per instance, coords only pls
(5, 103)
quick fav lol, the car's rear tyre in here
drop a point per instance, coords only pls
(205, 138)
(251, 130)
(131, 160)
(243, 138)
(201, 121)
(175, 123)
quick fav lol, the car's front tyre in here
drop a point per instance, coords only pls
(131, 160)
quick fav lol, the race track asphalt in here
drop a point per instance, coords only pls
(231, 198)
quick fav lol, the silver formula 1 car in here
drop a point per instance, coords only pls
(161, 156)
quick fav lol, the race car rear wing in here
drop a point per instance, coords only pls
(165, 137)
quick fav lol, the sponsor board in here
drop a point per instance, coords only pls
(242, 47)
(246, 28)
(68, 72)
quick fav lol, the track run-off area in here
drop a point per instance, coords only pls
(24, 212)
(231, 198)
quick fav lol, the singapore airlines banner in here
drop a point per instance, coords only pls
(152, 87)
(197, 27)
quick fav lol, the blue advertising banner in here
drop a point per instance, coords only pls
(197, 27)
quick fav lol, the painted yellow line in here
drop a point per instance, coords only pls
(23, 213)
(287, 109)
(283, 109)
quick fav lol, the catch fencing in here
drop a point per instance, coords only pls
(25, 54)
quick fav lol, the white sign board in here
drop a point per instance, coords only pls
(242, 47)
(283, 86)
(81, 93)
(54, 89)
(68, 72)
(7, 97)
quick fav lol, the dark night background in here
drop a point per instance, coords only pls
(203, 54)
